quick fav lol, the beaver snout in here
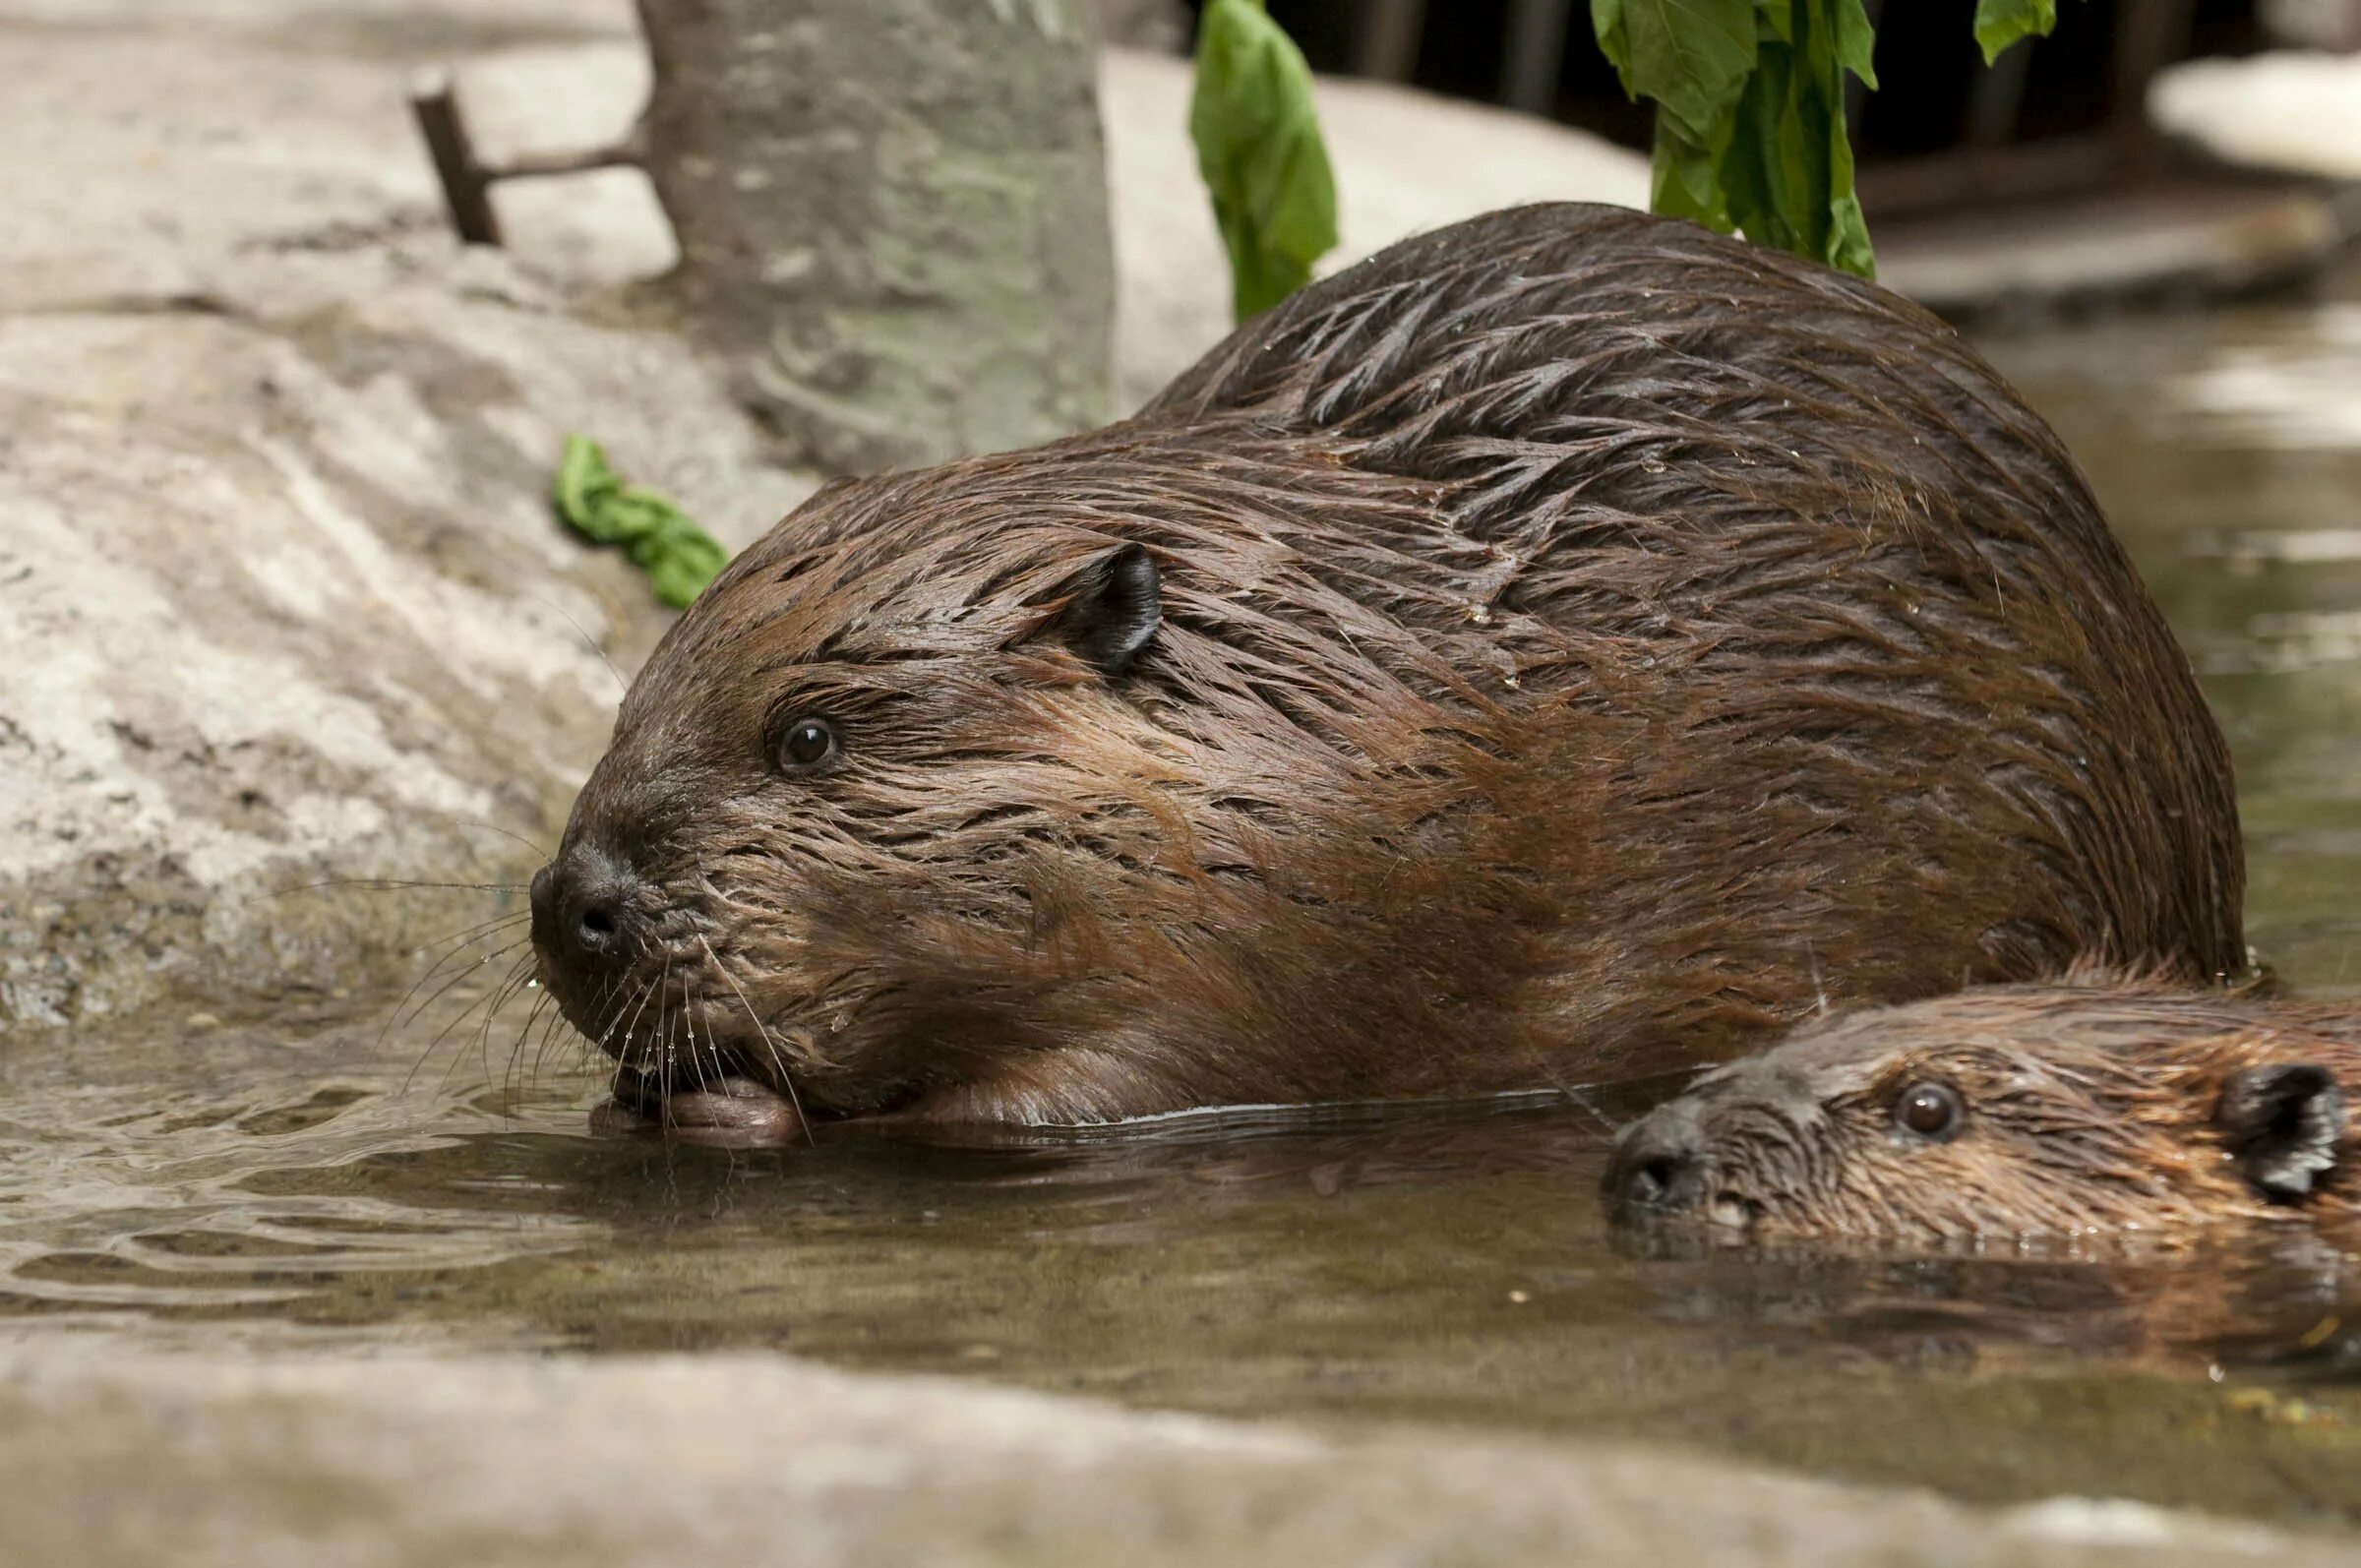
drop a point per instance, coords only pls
(1659, 1166)
(586, 919)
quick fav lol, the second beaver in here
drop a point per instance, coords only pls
(1565, 645)
(2097, 1106)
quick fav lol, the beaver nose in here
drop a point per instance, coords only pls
(583, 908)
(1659, 1166)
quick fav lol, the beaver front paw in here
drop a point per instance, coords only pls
(724, 1113)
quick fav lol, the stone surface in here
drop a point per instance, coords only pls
(892, 220)
(1161, 24)
(366, 1462)
(280, 598)
(2174, 242)
(2294, 112)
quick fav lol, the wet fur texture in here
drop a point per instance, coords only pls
(1586, 645)
(2095, 1106)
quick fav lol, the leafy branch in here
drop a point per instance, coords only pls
(1749, 96)
(1260, 148)
(1750, 126)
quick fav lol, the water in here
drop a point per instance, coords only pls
(313, 1183)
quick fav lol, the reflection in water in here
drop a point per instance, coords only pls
(1443, 1261)
(2288, 381)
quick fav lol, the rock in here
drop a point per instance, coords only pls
(1159, 24)
(280, 597)
(282, 601)
(890, 220)
(2288, 112)
(2185, 241)
(361, 1462)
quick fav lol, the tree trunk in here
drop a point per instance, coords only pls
(892, 216)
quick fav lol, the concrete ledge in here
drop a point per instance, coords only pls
(140, 1460)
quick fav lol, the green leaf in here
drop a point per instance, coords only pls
(1856, 39)
(592, 497)
(2001, 23)
(1751, 114)
(1692, 57)
(1260, 148)
(1685, 181)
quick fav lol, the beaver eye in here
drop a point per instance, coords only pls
(1929, 1111)
(806, 744)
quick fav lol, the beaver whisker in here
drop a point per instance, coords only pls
(485, 1007)
(665, 1051)
(551, 1019)
(512, 1076)
(614, 991)
(607, 1041)
(697, 1078)
(468, 933)
(520, 976)
(769, 1044)
(382, 884)
(723, 1061)
(617, 1045)
(524, 960)
(458, 945)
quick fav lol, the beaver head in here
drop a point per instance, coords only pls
(2003, 1113)
(1036, 772)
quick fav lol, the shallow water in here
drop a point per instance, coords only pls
(332, 1182)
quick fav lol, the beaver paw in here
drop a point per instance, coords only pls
(724, 1113)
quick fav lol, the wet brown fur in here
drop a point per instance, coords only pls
(2092, 1109)
(1587, 643)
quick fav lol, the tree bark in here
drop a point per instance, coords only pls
(891, 214)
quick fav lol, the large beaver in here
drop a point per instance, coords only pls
(2100, 1104)
(1568, 645)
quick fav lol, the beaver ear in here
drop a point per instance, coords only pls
(1113, 609)
(2283, 1125)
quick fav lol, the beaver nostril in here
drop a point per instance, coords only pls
(1659, 1181)
(595, 927)
(583, 908)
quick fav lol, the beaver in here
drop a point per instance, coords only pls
(1568, 644)
(2102, 1105)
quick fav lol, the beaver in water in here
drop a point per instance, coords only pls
(2100, 1105)
(1570, 644)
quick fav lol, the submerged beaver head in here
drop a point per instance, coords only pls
(2006, 1114)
